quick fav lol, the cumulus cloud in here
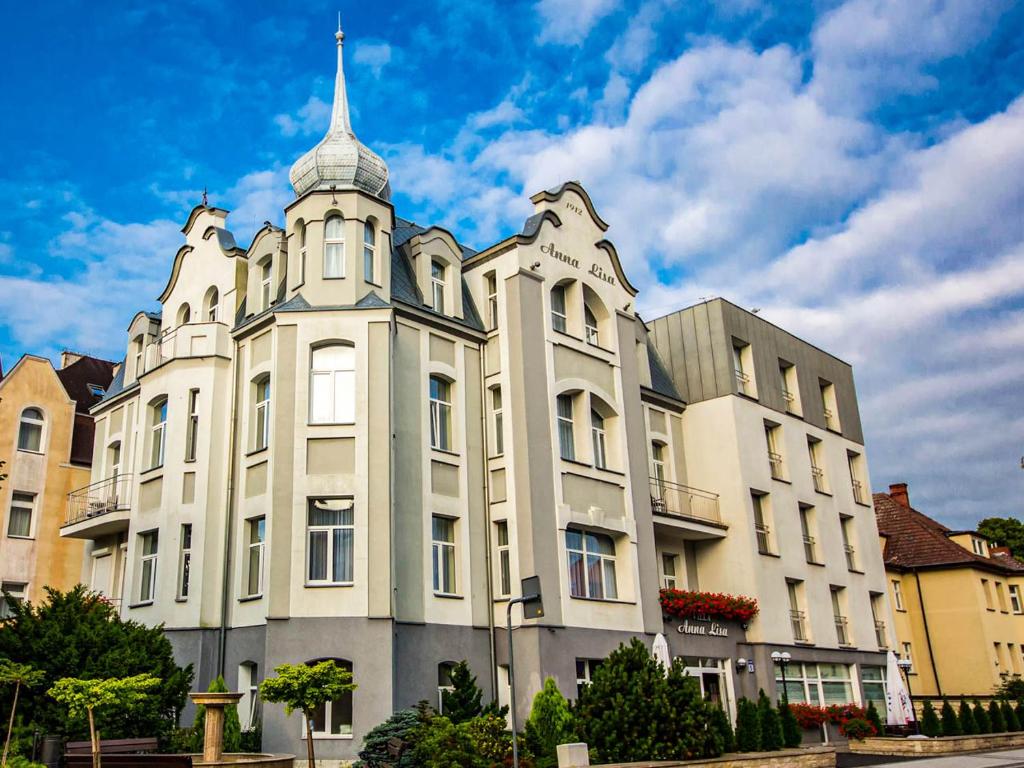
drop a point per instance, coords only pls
(311, 118)
(373, 54)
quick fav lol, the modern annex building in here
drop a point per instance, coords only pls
(353, 438)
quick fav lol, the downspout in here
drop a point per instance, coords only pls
(392, 450)
(487, 528)
(229, 523)
(927, 634)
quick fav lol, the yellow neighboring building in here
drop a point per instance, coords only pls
(958, 601)
(46, 436)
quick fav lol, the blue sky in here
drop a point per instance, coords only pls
(855, 169)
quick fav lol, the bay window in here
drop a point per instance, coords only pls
(440, 414)
(443, 554)
(330, 539)
(591, 564)
(334, 247)
(332, 385)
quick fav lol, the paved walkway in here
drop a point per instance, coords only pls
(1010, 758)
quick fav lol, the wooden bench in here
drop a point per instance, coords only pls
(123, 753)
(112, 746)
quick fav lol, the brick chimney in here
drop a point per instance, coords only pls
(67, 357)
(899, 493)
(1000, 551)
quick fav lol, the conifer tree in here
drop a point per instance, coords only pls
(981, 718)
(1019, 712)
(685, 731)
(950, 722)
(930, 721)
(771, 728)
(748, 726)
(792, 734)
(872, 716)
(720, 722)
(232, 725)
(968, 725)
(463, 701)
(995, 717)
(549, 725)
(1010, 717)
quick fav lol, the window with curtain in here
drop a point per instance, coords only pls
(19, 522)
(443, 551)
(334, 247)
(369, 252)
(440, 413)
(437, 285)
(332, 385)
(256, 536)
(599, 435)
(558, 317)
(30, 430)
(261, 414)
(566, 437)
(333, 718)
(148, 548)
(591, 564)
(157, 433)
(330, 535)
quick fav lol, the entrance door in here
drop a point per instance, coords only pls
(710, 680)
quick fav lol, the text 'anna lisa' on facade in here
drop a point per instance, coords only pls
(353, 438)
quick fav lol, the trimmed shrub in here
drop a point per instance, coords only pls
(748, 726)
(720, 723)
(792, 734)
(930, 721)
(968, 725)
(995, 717)
(771, 728)
(1010, 717)
(981, 718)
(489, 738)
(390, 744)
(440, 743)
(550, 724)
(857, 729)
(950, 722)
(872, 716)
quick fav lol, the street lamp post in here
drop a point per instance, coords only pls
(783, 659)
(906, 665)
(532, 609)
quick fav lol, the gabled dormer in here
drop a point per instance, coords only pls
(268, 270)
(436, 259)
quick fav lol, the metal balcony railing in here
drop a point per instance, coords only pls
(796, 618)
(858, 491)
(842, 630)
(789, 399)
(880, 636)
(742, 382)
(830, 420)
(675, 500)
(810, 552)
(818, 475)
(775, 462)
(764, 541)
(851, 557)
(109, 495)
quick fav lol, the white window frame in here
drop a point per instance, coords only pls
(192, 426)
(248, 684)
(669, 570)
(25, 504)
(266, 283)
(559, 316)
(328, 384)
(261, 413)
(18, 591)
(585, 669)
(328, 532)
(1016, 605)
(599, 439)
(441, 422)
(444, 556)
(504, 559)
(908, 654)
(565, 427)
(303, 254)
(213, 310)
(148, 562)
(438, 285)
(254, 554)
(590, 327)
(897, 595)
(334, 248)
(369, 252)
(491, 283)
(38, 427)
(184, 561)
(158, 433)
(346, 728)
(499, 421)
(588, 552)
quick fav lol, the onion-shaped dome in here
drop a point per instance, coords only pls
(340, 160)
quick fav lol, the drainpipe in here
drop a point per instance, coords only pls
(392, 449)
(487, 529)
(927, 634)
(229, 523)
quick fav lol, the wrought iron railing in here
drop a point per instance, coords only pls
(764, 541)
(842, 630)
(675, 500)
(775, 462)
(810, 553)
(109, 495)
(858, 491)
(818, 475)
(883, 640)
(796, 618)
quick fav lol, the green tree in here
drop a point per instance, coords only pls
(440, 743)
(232, 725)
(83, 698)
(464, 701)
(930, 725)
(981, 719)
(792, 734)
(771, 728)
(490, 738)
(1010, 717)
(550, 724)
(872, 716)
(1011, 688)
(1006, 531)
(720, 722)
(18, 675)
(995, 717)
(685, 731)
(968, 725)
(1019, 712)
(748, 726)
(950, 722)
(390, 744)
(305, 687)
(79, 634)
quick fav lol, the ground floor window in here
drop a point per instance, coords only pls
(334, 718)
(248, 685)
(444, 683)
(873, 679)
(817, 684)
(12, 592)
(585, 669)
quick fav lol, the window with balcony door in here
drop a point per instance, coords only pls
(148, 550)
(369, 252)
(157, 432)
(849, 536)
(854, 461)
(440, 414)
(762, 530)
(192, 426)
(658, 476)
(559, 318)
(591, 565)
(817, 468)
(807, 531)
(114, 458)
(842, 624)
(438, 283)
(30, 430)
(334, 247)
(332, 384)
(261, 413)
(773, 440)
(797, 617)
(184, 561)
(566, 435)
(19, 520)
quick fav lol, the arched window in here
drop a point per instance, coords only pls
(334, 246)
(266, 282)
(558, 315)
(301, 230)
(369, 252)
(261, 413)
(30, 430)
(211, 305)
(440, 413)
(158, 432)
(114, 458)
(184, 314)
(590, 325)
(139, 346)
(437, 285)
(600, 439)
(334, 718)
(332, 385)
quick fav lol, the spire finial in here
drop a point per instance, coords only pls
(339, 114)
(339, 35)
(205, 202)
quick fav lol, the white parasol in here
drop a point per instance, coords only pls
(660, 651)
(898, 708)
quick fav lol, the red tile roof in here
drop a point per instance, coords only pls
(914, 540)
(76, 379)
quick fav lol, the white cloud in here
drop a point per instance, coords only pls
(312, 117)
(568, 22)
(375, 55)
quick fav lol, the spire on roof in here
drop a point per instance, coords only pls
(339, 113)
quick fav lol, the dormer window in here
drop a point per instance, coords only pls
(139, 344)
(334, 247)
(590, 324)
(437, 285)
(266, 272)
(369, 252)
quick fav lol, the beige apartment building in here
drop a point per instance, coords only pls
(353, 438)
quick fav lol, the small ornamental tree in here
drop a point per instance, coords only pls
(390, 744)
(306, 687)
(792, 734)
(84, 698)
(232, 725)
(930, 721)
(748, 726)
(950, 722)
(720, 723)
(550, 724)
(995, 717)
(872, 716)
(981, 718)
(1010, 717)
(968, 725)
(463, 701)
(18, 675)
(771, 728)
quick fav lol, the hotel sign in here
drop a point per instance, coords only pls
(594, 271)
(702, 625)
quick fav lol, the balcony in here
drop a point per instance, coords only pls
(688, 508)
(818, 475)
(880, 636)
(810, 550)
(798, 621)
(858, 491)
(775, 462)
(842, 631)
(189, 340)
(99, 509)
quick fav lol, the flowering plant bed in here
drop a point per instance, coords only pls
(684, 604)
(810, 716)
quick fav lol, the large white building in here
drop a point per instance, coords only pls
(353, 438)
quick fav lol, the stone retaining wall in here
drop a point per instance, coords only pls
(941, 745)
(812, 757)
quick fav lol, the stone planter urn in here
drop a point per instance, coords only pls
(213, 735)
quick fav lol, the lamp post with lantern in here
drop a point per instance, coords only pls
(906, 665)
(783, 659)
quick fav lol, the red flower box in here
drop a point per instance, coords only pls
(684, 604)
